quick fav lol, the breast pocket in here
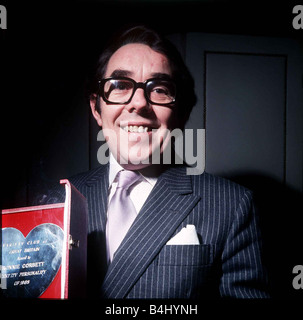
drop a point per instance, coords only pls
(178, 272)
(186, 255)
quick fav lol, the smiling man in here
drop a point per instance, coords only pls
(155, 231)
(137, 105)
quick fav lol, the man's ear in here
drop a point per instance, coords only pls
(96, 113)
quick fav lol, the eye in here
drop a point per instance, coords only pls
(122, 85)
(115, 87)
(161, 90)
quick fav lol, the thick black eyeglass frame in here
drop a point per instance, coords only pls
(141, 85)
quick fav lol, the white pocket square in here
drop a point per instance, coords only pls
(187, 236)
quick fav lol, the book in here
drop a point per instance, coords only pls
(44, 249)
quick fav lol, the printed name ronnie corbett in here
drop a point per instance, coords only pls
(163, 309)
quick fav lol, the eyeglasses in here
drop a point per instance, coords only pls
(121, 90)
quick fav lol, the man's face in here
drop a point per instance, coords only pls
(123, 124)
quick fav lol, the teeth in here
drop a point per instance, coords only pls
(139, 129)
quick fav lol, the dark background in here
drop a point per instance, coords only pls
(47, 52)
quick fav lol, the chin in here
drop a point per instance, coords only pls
(135, 162)
(135, 166)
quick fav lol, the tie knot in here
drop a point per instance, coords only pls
(127, 178)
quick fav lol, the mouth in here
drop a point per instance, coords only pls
(140, 128)
(136, 129)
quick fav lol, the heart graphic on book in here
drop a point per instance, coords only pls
(29, 264)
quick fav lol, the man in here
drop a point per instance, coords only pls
(192, 236)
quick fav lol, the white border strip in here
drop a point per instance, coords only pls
(24, 209)
(65, 251)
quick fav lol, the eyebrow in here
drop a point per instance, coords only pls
(121, 73)
(161, 75)
(126, 73)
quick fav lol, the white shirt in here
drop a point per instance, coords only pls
(141, 190)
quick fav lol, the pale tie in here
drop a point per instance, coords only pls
(121, 212)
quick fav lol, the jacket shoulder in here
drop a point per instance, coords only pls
(215, 185)
(87, 177)
(55, 192)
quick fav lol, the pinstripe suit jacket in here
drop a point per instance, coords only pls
(227, 262)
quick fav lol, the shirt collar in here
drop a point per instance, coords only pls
(115, 167)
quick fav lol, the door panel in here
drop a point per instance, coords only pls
(252, 88)
(245, 109)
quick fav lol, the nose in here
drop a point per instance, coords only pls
(138, 102)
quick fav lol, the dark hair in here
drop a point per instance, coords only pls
(186, 97)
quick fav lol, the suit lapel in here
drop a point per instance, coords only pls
(97, 195)
(95, 189)
(167, 206)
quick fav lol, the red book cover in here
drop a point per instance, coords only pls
(41, 246)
